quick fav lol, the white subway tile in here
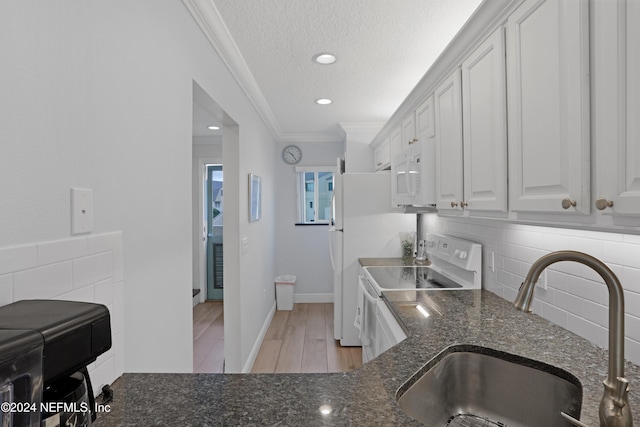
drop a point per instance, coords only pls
(103, 374)
(104, 242)
(118, 308)
(104, 292)
(118, 344)
(85, 294)
(589, 330)
(625, 254)
(632, 327)
(596, 313)
(553, 314)
(632, 303)
(43, 282)
(630, 278)
(568, 302)
(61, 250)
(6, 289)
(92, 269)
(632, 351)
(17, 258)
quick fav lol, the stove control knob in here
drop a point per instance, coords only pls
(463, 255)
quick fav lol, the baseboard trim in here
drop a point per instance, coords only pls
(313, 298)
(258, 343)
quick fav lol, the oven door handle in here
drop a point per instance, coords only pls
(365, 290)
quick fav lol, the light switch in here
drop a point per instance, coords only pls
(244, 242)
(81, 210)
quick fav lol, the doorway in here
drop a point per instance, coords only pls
(214, 212)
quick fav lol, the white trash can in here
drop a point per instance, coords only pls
(284, 291)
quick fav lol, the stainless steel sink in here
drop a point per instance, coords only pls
(477, 386)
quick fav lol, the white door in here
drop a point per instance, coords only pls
(485, 126)
(548, 104)
(449, 184)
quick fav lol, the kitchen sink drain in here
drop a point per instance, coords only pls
(470, 420)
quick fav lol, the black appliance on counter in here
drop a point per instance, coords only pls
(20, 377)
(72, 335)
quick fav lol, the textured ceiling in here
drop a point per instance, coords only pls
(383, 48)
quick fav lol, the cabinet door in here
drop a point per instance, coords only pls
(617, 89)
(485, 127)
(449, 144)
(425, 120)
(396, 142)
(381, 156)
(548, 104)
(408, 131)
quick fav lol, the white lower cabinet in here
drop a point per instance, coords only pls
(548, 104)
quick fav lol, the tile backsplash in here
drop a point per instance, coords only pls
(86, 269)
(571, 295)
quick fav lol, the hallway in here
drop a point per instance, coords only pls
(297, 341)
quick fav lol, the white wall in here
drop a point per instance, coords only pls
(98, 95)
(576, 298)
(303, 250)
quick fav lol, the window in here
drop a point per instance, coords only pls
(315, 188)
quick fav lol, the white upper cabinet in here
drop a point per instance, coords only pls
(425, 120)
(548, 104)
(617, 106)
(485, 126)
(395, 142)
(408, 132)
(382, 156)
(448, 115)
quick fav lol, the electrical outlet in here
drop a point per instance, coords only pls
(542, 281)
(244, 244)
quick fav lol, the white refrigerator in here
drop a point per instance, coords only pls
(362, 226)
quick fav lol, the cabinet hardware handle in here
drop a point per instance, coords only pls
(413, 141)
(463, 205)
(568, 203)
(454, 204)
(602, 203)
(379, 163)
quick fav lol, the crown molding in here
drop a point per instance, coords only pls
(208, 18)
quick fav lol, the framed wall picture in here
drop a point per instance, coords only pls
(255, 197)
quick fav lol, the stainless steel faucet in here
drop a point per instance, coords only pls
(614, 406)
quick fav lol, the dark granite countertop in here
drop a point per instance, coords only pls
(365, 396)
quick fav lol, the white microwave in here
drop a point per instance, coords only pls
(413, 176)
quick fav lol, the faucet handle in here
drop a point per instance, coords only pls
(622, 389)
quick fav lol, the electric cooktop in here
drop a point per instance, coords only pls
(409, 277)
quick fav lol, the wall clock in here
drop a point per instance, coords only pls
(292, 154)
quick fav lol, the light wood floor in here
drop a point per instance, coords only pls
(208, 337)
(301, 341)
(297, 341)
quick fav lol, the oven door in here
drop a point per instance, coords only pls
(369, 331)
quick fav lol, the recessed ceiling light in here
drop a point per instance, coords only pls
(323, 101)
(213, 127)
(324, 58)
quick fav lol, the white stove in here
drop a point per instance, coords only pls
(453, 264)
